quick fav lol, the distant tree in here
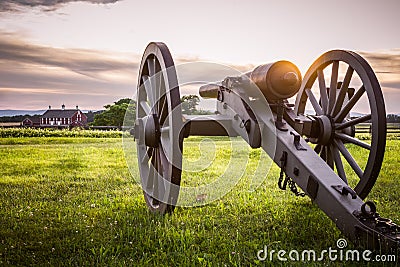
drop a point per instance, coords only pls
(115, 114)
(393, 118)
(189, 104)
(90, 115)
(17, 118)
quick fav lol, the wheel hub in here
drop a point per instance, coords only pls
(150, 130)
(327, 130)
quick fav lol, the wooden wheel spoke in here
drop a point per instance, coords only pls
(151, 66)
(150, 152)
(346, 109)
(343, 91)
(158, 91)
(149, 90)
(318, 148)
(149, 185)
(147, 156)
(160, 167)
(323, 153)
(350, 139)
(338, 163)
(314, 102)
(329, 158)
(164, 159)
(160, 189)
(156, 96)
(163, 111)
(333, 86)
(323, 90)
(161, 97)
(149, 182)
(349, 158)
(166, 143)
(145, 106)
(353, 122)
(160, 88)
(155, 175)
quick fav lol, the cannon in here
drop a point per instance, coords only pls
(308, 140)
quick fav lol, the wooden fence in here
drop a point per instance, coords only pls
(366, 128)
(360, 128)
(102, 128)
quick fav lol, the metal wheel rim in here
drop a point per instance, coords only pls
(376, 104)
(160, 167)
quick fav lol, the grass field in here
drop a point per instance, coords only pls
(73, 201)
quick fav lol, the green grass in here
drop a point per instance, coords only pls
(72, 201)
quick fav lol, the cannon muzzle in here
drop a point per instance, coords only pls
(209, 90)
(278, 80)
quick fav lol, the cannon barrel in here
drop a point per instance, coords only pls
(277, 80)
(209, 91)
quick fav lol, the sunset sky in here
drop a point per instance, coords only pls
(87, 53)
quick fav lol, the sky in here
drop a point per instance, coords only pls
(87, 53)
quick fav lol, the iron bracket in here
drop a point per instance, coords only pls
(345, 190)
(296, 141)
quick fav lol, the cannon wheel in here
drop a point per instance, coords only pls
(335, 106)
(159, 120)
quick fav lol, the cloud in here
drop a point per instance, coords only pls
(31, 73)
(86, 62)
(386, 65)
(384, 62)
(46, 5)
(34, 75)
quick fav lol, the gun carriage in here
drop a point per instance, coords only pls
(309, 148)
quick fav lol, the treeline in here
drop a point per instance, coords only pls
(125, 108)
(122, 110)
(19, 118)
(393, 118)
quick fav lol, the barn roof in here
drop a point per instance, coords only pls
(59, 113)
(33, 119)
